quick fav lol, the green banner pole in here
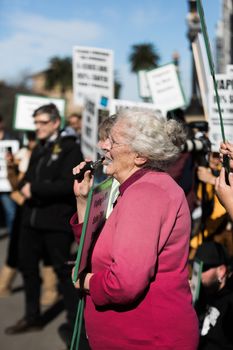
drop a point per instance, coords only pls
(212, 71)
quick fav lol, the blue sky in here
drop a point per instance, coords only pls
(31, 32)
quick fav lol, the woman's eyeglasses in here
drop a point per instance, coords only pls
(114, 143)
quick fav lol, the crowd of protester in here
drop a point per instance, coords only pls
(136, 290)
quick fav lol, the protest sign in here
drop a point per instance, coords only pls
(92, 74)
(95, 216)
(224, 84)
(229, 69)
(5, 185)
(25, 105)
(202, 69)
(115, 105)
(165, 87)
(92, 117)
(143, 86)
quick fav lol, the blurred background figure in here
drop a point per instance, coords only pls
(17, 165)
(8, 205)
(215, 304)
(48, 191)
(74, 120)
(16, 168)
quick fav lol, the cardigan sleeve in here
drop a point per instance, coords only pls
(76, 227)
(144, 214)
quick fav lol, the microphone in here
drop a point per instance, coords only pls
(92, 166)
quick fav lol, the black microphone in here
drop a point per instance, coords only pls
(92, 166)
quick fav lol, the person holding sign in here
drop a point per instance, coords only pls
(137, 290)
(223, 190)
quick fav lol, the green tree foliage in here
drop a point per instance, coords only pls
(59, 74)
(143, 57)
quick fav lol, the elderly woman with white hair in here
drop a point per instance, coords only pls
(137, 291)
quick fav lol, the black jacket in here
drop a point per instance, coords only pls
(50, 175)
(216, 321)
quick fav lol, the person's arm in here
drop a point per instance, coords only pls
(205, 175)
(225, 192)
(138, 232)
(81, 190)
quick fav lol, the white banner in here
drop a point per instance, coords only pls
(115, 105)
(14, 147)
(165, 88)
(143, 86)
(27, 104)
(89, 129)
(92, 74)
(225, 91)
(229, 69)
(202, 69)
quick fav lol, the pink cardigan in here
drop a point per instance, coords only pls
(139, 294)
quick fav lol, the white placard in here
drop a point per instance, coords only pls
(165, 88)
(202, 69)
(14, 145)
(92, 74)
(143, 86)
(229, 69)
(89, 129)
(25, 106)
(225, 92)
(116, 104)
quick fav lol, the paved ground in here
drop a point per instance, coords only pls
(11, 309)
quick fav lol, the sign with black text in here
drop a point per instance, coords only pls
(225, 91)
(92, 117)
(166, 91)
(116, 104)
(92, 74)
(95, 216)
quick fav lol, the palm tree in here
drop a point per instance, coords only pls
(59, 74)
(143, 57)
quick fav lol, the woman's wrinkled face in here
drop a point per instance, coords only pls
(119, 157)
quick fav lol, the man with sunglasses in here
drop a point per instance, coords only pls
(48, 190)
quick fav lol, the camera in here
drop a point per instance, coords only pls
(199, 144)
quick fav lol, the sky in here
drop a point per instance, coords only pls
(31, 32)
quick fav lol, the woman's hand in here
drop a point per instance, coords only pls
(86, 285)
(226, 148)
(81, 190)
(224, 191)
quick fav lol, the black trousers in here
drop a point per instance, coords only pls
(32, 243)
(12, 258)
